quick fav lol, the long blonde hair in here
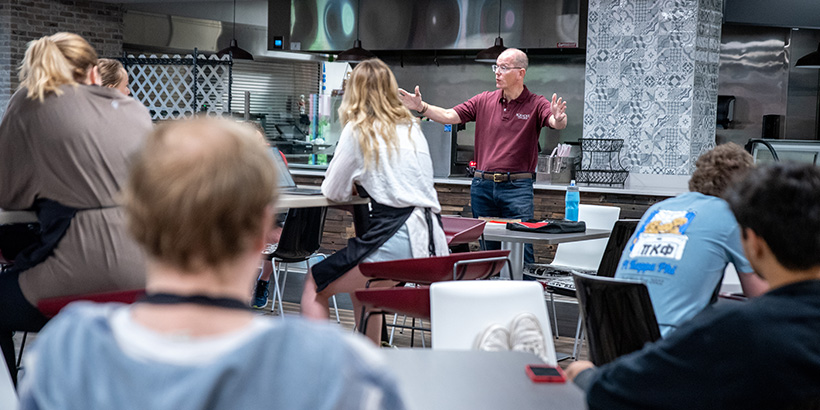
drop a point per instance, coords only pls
(55, 60)
(371, 103)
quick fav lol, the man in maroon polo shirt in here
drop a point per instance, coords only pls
(508, 123)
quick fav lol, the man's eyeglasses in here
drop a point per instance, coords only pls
(503, 69)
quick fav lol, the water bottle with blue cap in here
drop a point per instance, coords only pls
(572, 200)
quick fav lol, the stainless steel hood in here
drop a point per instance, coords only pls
(330, 25)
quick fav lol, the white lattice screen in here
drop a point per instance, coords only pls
(177, 86)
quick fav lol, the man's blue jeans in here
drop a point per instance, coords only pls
(509, 199)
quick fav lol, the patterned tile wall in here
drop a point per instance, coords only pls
(651, 79)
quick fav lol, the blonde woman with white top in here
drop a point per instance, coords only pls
(383, 151)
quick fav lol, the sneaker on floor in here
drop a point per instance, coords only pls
(494, 338)
(260, 297)
(526, 336)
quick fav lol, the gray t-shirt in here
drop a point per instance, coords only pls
(75, 149)
(94, 357)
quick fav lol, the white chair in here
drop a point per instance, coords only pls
(461, 310)
(8, 395)
(586, 255)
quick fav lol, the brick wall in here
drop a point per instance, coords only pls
(22, 21)
(6, 66)
(453, 198)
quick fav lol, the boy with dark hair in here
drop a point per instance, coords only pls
(761, 354)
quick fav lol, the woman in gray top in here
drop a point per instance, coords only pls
(64, 150)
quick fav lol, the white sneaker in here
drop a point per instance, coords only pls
(494, 338)
(526, 336)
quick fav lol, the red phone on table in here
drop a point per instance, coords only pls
(544, 373)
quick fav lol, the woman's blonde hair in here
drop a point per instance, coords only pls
(53, 61)
(110, 72)
(371, 103)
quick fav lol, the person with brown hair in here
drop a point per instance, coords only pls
(113, 75)
(383, 151)
(683, 244)
(65, 145)
(200, 202)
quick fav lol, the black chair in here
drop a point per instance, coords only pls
(300, 239)
(618, 316)
(621, 233)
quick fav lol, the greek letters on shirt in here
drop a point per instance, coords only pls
(662, 236)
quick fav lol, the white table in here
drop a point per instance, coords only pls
(309, 201)
(17, 217)
(515, 240)
(449, 379)
(284, 201)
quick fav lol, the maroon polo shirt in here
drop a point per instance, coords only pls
(506, 132)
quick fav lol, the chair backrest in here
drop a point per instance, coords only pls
(587, 255)
(461, 310)
(468, 266)
(618, 316)
(618, 239)
(8, 394)
(302, 234)
(51, 306)
(460, 230)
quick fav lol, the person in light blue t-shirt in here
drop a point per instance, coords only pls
(200, 203)
(683, 244)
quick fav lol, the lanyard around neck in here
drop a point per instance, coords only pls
(174, 299)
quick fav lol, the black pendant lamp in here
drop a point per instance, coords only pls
(357, 53)
(810, 60)
(489, 55)
(234, 50)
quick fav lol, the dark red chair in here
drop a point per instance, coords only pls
(456, 266)
(50, 307)
(409, 301)
(415, 301)
(460, 230)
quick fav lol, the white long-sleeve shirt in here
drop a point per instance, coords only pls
(400, 180)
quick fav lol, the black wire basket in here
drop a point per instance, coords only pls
(601, 145)
(599, 155)
(601, 177)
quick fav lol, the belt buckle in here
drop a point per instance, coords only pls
(498, 177)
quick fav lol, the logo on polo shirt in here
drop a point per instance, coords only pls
(522, 116)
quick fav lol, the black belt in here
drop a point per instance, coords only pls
(503, 176)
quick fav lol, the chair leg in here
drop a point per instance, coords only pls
(554, 315)
(579, 335)
(403, 323)
(393, 330)
(421, 325)
(277, 292)
(22, 347)
(336, 309)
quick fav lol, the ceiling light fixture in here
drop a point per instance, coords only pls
(489, 55)
(234, 50)
(357, 53)
(810, 60)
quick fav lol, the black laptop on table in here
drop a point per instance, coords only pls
(286, 183)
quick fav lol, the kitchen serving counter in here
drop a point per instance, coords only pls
(454, 196)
